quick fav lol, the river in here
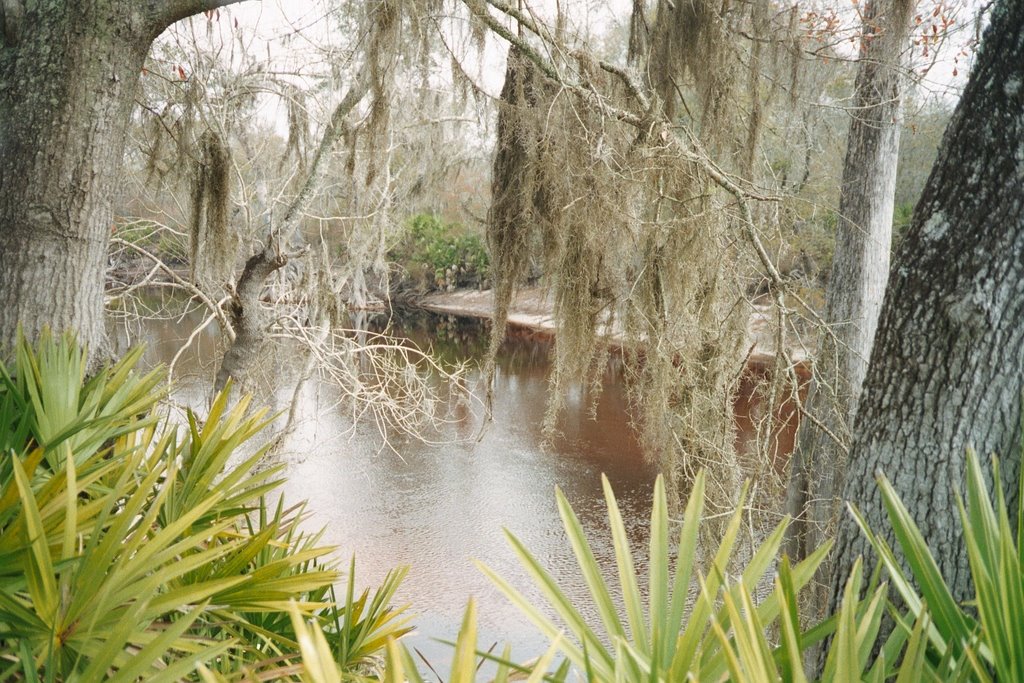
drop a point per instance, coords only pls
(438, 507)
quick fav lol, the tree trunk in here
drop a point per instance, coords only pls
(68, 76)
(67, 85)
(947, 369)
(249, 321)
(859, 271)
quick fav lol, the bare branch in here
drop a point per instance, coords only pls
(179, 281)
(191, 338)
(627, 78)
(335, 128)
(245, 304)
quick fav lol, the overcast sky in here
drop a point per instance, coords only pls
(293, 32)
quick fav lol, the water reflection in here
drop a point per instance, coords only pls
(437, 508)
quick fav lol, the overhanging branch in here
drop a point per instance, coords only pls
(163, 13)
(318, 167)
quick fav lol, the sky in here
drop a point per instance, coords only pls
(299, 22)
(272, 20)
(294, 33)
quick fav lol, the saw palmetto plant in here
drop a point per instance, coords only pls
(131, 549)
(982, 639)
(705, 624)
(662, 637)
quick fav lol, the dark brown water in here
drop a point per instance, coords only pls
(437, 508)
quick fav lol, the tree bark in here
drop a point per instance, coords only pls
(247, 317)
(68, 76)
(947, 369)
(860, 268)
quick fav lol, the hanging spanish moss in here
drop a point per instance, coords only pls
(519, 204)
(685, 327)
(690, 53)
(639, 34)
(183, 127)
(637, 253)
(156, 135)
(298, 130)
(213, 243)
(384, 50)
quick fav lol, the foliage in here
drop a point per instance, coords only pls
(442, 255)
(983, 642)
(901, 222)
(665, 641)
(170, 245)
(467, 661)
(727, 635)
(132, 549)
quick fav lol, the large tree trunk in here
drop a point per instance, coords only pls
(67, 82)
(947, 369)
(68, 76)
(860, 268)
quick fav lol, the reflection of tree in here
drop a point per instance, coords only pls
(454, 339)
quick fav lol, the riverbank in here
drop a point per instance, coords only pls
(533, 308)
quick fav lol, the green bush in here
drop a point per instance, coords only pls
(664, 638)
(441, 255)
(984, 642)
(901, 218)
(170, 245)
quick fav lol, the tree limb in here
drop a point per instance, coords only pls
(163, 13)
(214, 307)
(249, 320)
(335, 128)
(627, 78)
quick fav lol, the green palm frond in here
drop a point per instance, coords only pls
(664, 639)
(468, 661)
(986, 641)
(132, 550)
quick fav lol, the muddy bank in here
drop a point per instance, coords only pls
(531, 310)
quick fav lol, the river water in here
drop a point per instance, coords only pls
(438, 507)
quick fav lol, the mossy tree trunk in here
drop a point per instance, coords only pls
(947, 369)
(858, 277)
(68, 77)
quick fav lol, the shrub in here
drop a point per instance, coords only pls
(725, 635)
(170, 245)
(441, 255)
(986, 641)
(131, 550)
(665, 639)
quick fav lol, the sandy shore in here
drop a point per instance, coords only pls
(532, 309)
